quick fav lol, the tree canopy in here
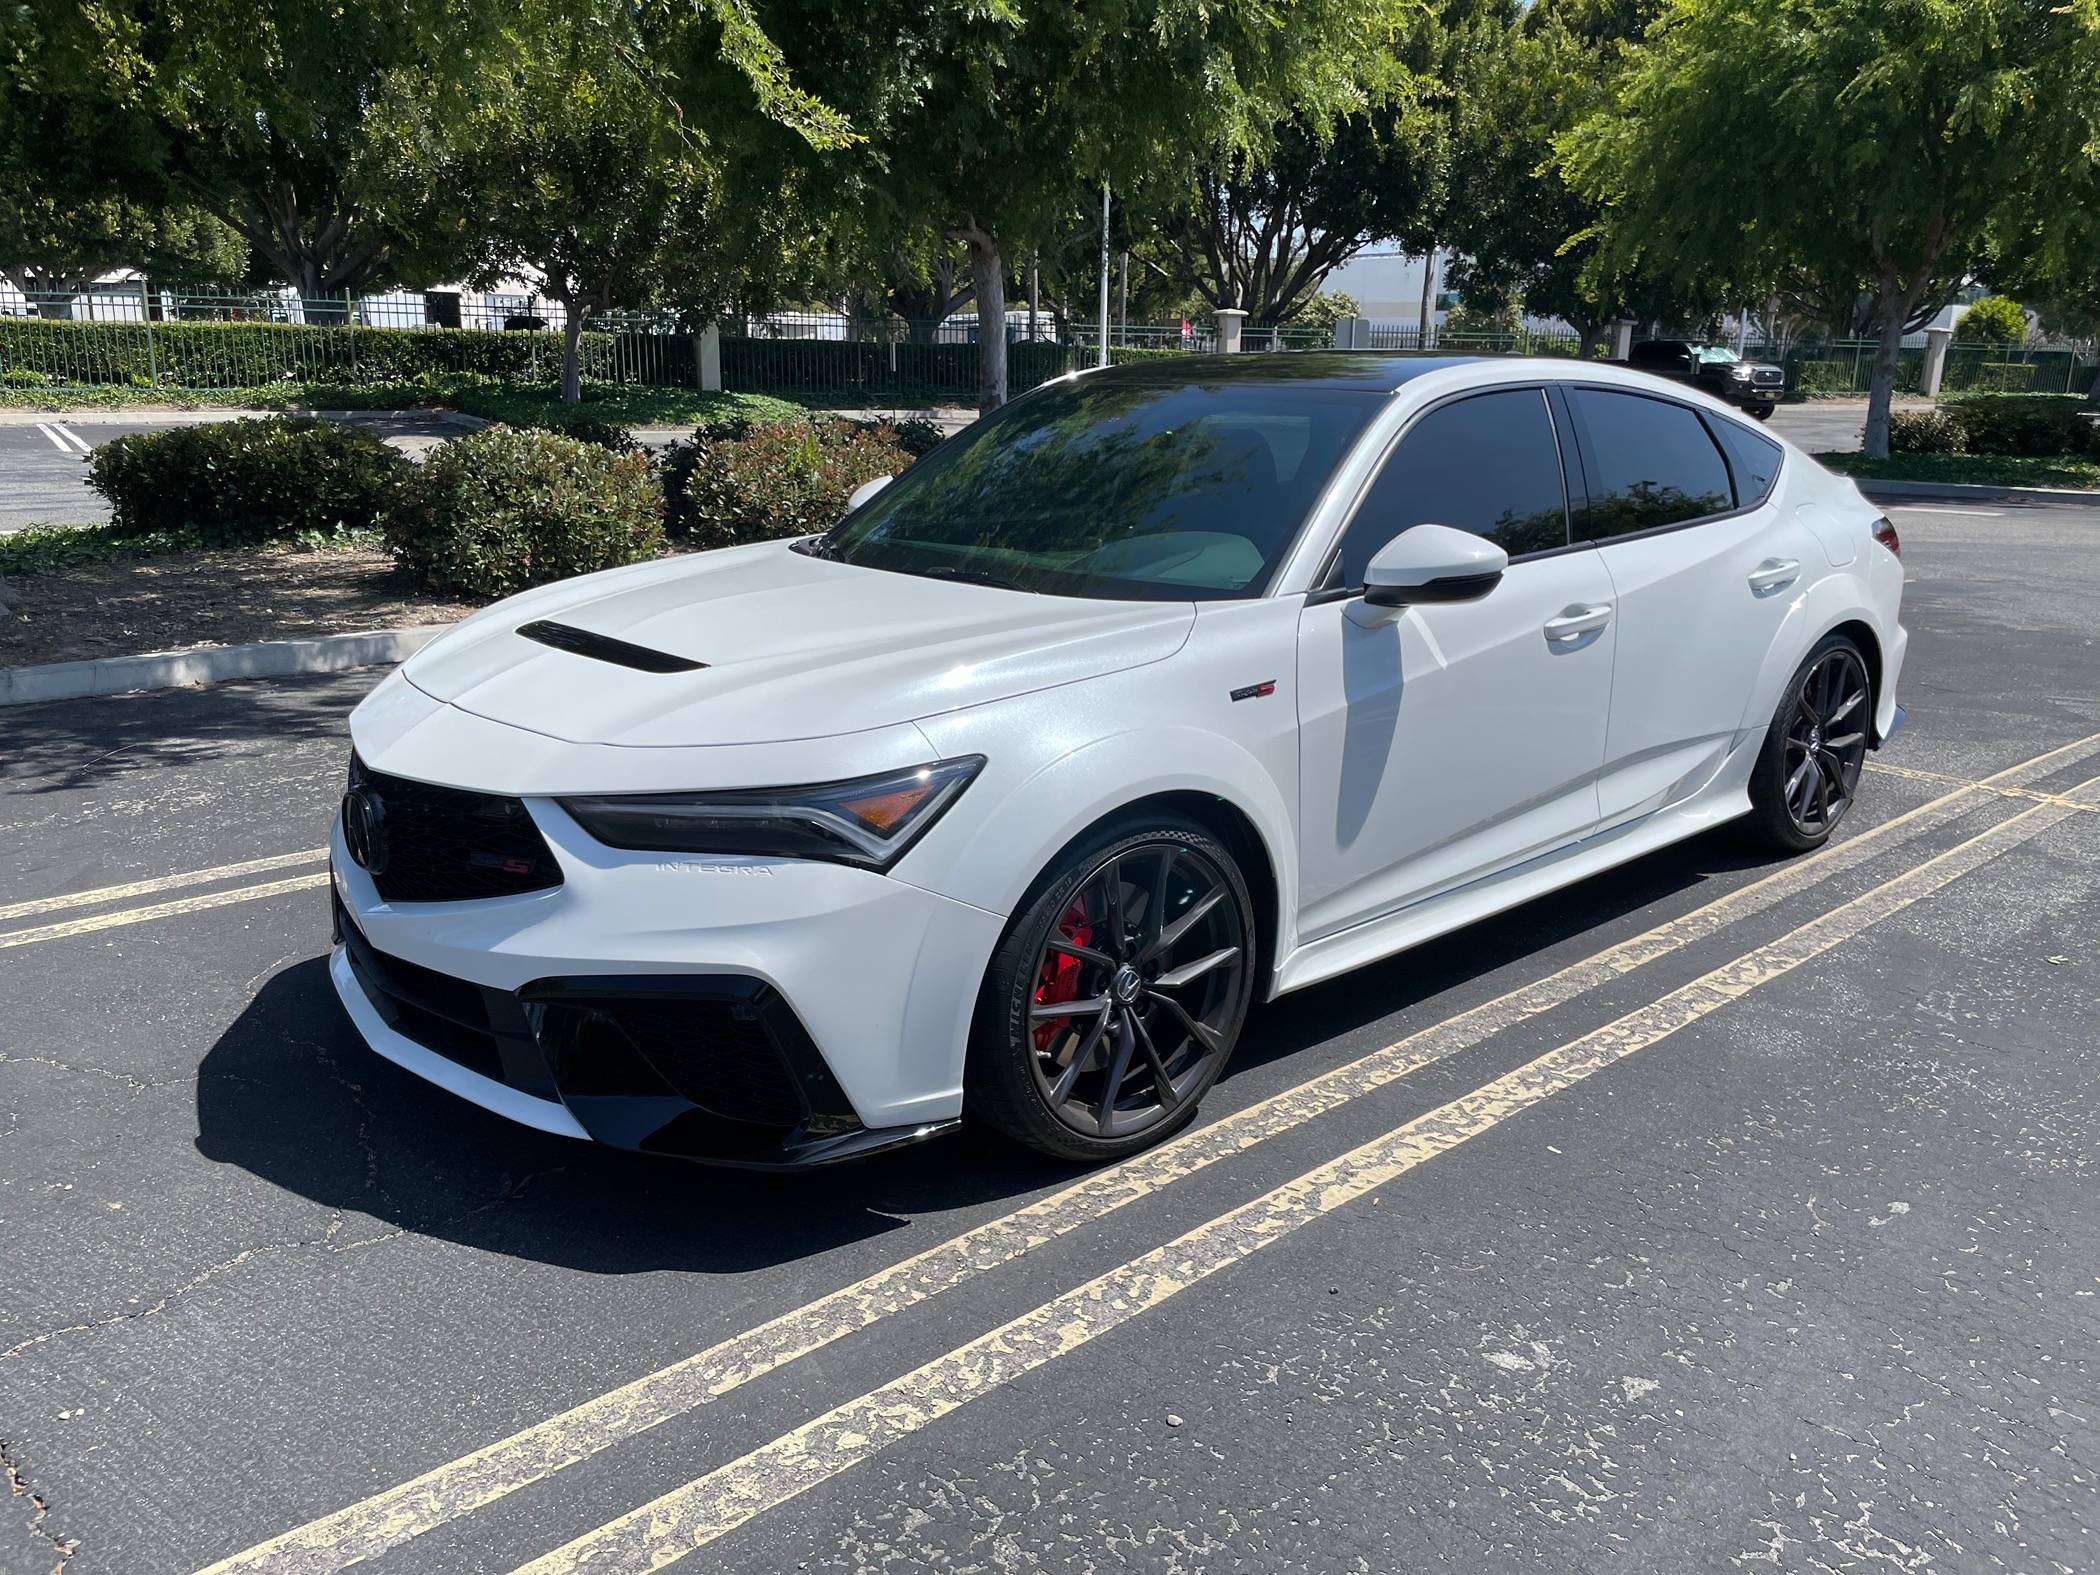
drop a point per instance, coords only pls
(1895, 139)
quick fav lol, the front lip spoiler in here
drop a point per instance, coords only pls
(818, 1152)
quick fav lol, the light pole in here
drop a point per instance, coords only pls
(1102, 358)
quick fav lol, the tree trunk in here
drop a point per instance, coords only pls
(989, 274)
(572, 353)
(1428, 295)
(1882, 387)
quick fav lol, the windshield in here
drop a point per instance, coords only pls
(1152, 489)
(1718, 355)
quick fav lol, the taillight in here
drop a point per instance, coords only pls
(1885, 533)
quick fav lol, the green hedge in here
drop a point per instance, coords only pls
(781, 478)
(842, 367)
(241, 483)
(499, 511)
(2042, 426)
(239, 355)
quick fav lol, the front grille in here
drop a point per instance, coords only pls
(424, 843)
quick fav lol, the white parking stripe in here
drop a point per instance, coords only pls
(1926, 508)
(74, 438)
(57, 442)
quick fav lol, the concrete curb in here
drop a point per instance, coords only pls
(115, 675)
(1972, 492)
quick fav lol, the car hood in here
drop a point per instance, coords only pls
(793, 647)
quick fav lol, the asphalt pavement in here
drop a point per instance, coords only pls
(1713, 1215)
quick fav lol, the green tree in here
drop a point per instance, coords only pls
(1993, 320)
(1261, 232)
(996, 122)
(1855, 138)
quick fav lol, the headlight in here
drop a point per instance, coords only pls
(1741, 372)
(868, 821)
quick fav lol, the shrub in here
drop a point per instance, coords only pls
(784, 478)
(499, 511)
(23, 377)
(1823, 377)
(239, 483)
(2037, 424)
(2000, 377)
(918, 436)
(1993, 320)
(1926, 432)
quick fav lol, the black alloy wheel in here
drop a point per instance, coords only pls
(1808, 773)
(1118, 996)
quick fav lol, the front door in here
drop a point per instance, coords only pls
(1455, 740)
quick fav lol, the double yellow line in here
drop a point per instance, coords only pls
(158, 910)
(365, 1529)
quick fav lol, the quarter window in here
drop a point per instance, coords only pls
(1488, 464)
(1752, 457)
(1649, 462)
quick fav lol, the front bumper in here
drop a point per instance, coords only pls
(764, 1012)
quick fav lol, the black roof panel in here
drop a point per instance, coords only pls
(1380, 371)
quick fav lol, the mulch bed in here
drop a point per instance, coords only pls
(192, 599)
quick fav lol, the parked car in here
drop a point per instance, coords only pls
(1166, 688)
(1755, 385)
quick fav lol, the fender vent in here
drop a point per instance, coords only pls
(603, 648)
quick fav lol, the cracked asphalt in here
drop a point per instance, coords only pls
(1809, 1283)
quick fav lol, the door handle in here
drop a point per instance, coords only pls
(1775, 572)
(1575, 622)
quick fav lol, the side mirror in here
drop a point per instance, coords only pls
(1433, 563)
(867, 490)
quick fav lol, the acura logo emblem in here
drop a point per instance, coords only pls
(364, 828)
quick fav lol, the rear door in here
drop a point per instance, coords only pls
(1456, 739)
(1704, 571)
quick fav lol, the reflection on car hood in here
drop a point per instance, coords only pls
(791, 646)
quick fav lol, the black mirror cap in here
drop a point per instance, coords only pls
(1451, 588)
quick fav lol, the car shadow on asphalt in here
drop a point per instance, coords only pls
(292, 1096)
(68, 745)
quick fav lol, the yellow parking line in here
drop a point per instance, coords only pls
(458, 1487)
(687, 1518)
(159, 910)
(140, 888)
(1941, 778)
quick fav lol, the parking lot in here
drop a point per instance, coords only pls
(1713, 1215)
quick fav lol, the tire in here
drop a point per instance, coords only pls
(1807, 773)
(1763, 412)
(1086, 1085)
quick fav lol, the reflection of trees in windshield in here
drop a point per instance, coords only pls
(1034, 497)
(1647, 504)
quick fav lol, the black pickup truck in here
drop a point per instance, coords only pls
(1755, 385)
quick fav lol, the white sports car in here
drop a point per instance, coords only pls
(1165, 686)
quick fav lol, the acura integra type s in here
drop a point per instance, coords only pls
(1164, 688)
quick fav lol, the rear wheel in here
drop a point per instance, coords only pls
(1117, 994)
(1808, 771)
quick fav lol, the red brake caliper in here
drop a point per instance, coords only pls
(1059, 980)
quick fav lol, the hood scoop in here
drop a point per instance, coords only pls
(603, 648)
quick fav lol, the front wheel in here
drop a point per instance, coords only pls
(1762, 412)
(1808, 771)
(1116, 996)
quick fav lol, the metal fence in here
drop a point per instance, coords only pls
(147, 335)
(1846, 366)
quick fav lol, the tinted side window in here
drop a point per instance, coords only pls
(1649, 462)
(1753, 457)
(1488, 464)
